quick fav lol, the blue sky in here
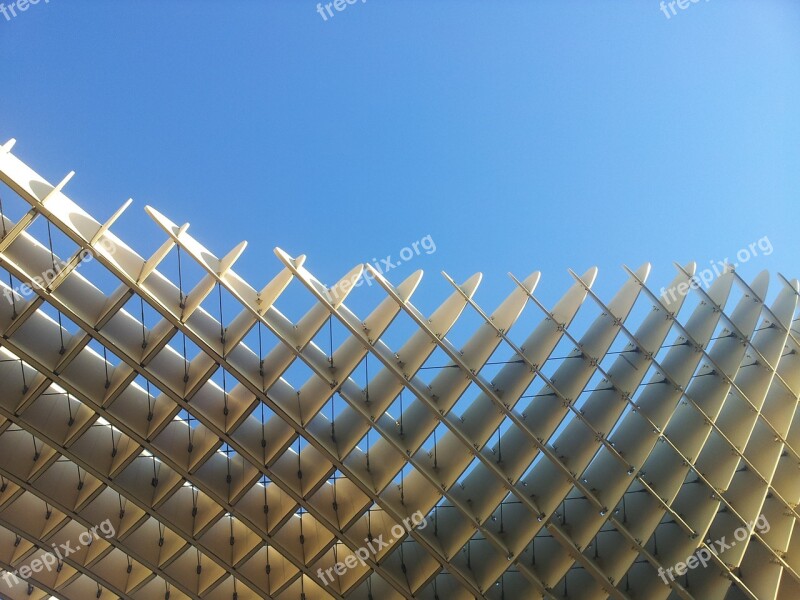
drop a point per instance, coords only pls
(520, 136)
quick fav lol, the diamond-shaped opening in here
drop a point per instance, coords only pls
(13, 208)
(184, 347)
(596, 382)
(532, 467)
(297, 446)
(366, 371)
(568, 418)
(587, 314)
(399, 405)
(331, 335)
(112, 359)
(621, 350)
(227, 451)
(674, 338)
(262, 412)
(148, 393)
(58, 394)
(363, 296)
(466, 400)
(399, 332)
(183, 272)
(260, 340)
(495, 442)
(399, 478)
(142, 312)
(641, 310)
(298, 373)
(437, 435)
(369, 440)
(69, 328)
(625, 414)
(15, 292)
(653, 377)
(295, 301)
(466, 473)
(723, 330)
(563, 351)
(90, 269)
(691, 302)
(46, 233)
(223, 380)
(502, 356)
(146, 387)
(465, 326)
(334, 407)
(436, 363)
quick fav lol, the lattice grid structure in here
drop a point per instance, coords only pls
(226, 475)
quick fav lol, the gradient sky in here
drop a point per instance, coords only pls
(520, 136)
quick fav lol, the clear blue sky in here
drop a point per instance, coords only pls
(520, 136)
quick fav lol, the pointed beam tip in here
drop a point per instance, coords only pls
(286, 258)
